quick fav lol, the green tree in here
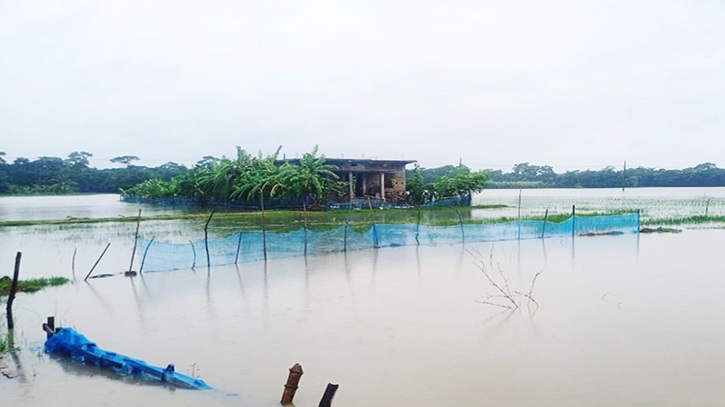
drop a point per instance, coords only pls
(418, 191)
(312, 179)
(261, 180)
(461, 182)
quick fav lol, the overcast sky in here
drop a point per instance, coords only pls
(572, 84)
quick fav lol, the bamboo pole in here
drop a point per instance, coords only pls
(98, 261)
(206, 239)
(546, 216)
(417, 228)
(573, 220)
(193, 251)
(13, 290)
(518, 216)
(264, 225)
(73, 263)
(135, 242)
(375, 229)
(239, 248)
(304, 207)
(460, 222)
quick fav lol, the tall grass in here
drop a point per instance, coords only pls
(32, 285)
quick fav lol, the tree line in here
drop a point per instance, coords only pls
(71, 175)
(214, 178)
(525, 175)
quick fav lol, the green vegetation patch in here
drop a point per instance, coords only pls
(690, 220)
(32, 285)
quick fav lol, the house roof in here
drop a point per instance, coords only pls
(360, 164)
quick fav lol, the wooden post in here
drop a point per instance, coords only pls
(293, 380)
(573, 220)
(135, 242)
(13, 290)
(417, 228)
(304, 208)
(374, 229)
(326, 400)
(73, 263)
(99, 260)
(518, 216)
(639, 221)
(206, 239)
(193, 251)
(546, 216)
(264, 225)
(344, 238)
(460, 221)
(239, 248)
(49, 327)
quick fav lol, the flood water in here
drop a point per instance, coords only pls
(632, 320)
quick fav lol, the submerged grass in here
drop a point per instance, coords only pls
(688, 220)
(32, 285)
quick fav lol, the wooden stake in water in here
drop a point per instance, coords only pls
(206, 239)
(293, 381)
(329, 394)
(13, 290)
(518, 216)
(417, 229)
(543, 229)
(73, 263)
(98, 261)
(460, 222)
(573, 220)
(135, 242)
(239, 248)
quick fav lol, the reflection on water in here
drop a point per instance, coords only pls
(619, 326)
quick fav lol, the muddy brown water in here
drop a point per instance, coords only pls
(634, 320)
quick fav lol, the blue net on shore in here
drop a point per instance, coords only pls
(250, 246)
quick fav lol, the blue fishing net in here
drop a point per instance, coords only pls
(250, 246)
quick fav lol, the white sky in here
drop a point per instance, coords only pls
(572, 84)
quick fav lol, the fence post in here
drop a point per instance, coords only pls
(344, 238)
(193, 251)
(239, 248)
(417, 229)
(135, 241)
(13, 289)
(573, 220)
(543, 229)
(639, 221)
(99, 260)
(329, 394)
(374, 229)
(293, 380)
(460, 222)
(518, 216)
(206, 239)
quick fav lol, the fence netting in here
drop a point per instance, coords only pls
(250, 246)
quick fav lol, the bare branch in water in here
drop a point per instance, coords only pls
(501, 283)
